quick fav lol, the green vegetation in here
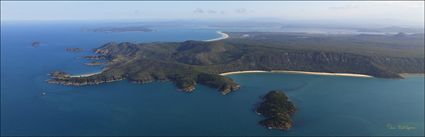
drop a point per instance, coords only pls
(277, 109)
(190, 62)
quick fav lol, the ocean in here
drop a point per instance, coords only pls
(327, 105)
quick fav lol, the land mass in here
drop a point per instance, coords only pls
(190, 62)
(277, 109)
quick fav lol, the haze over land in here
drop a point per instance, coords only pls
(385, 13)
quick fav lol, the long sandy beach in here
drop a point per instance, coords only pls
(223, 36)
(298, 72)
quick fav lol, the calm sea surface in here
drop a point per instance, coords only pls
(328, 105)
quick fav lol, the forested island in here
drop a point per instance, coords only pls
(190, 62)
(277, 109)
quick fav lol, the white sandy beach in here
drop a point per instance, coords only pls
(298, 72)
(85, 75)
(223, 36)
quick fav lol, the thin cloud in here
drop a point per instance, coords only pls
(241, 11)
(344, 7)
(207, 11)
(198, 10)
(212, 11)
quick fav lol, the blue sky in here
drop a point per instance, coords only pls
(409, 13)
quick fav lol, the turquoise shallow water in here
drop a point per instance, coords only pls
(328, 105)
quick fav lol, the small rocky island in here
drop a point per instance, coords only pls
(35, 44)
(74, 49)
(277, 109)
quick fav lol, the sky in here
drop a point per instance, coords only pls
(408, 13)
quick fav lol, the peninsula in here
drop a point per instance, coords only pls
(190, 62)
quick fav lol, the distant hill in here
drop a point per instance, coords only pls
(393, 29)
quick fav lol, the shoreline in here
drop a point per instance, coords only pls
(297, 72)
(85, 75)
(223, 36)
(413, 74)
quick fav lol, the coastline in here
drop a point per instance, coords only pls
(85, 75)
(223, 36)
(298, 72)
(412, 74)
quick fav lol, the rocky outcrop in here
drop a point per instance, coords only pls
(94, 63)
(79, 82)
(59, 75)
(95, 57)
(74, 49)
(35, 44)
(229, 88)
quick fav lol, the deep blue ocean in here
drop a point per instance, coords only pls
(327, 105)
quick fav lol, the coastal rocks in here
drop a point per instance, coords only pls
(101, 51)
(189, 88)
(229, 88)
(281, 122)
(142, 81)
(59, 75)
(74, 49)
(186, 85)
(277, 109)
(95, 57)
(79, 82)
(94, 63)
